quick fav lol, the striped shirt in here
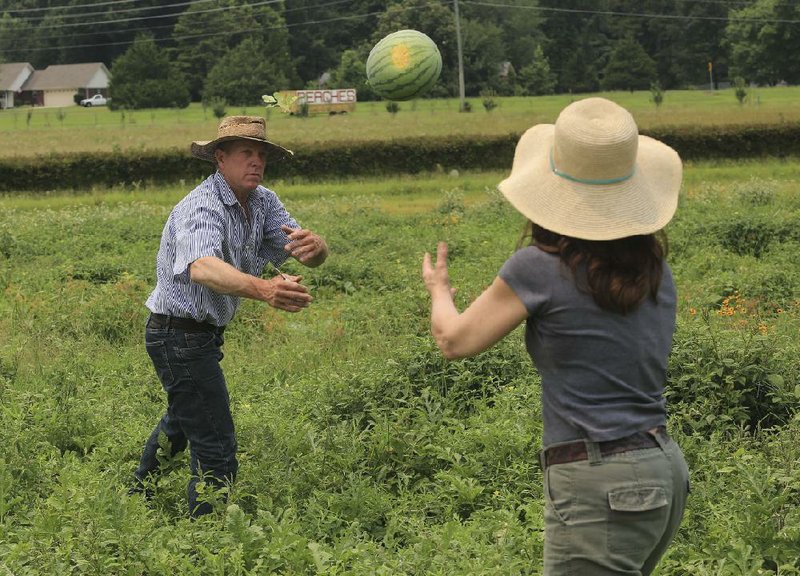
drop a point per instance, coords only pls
(209, 221)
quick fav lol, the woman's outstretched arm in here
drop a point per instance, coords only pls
(495, 313)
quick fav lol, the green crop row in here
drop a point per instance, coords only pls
(339, 159)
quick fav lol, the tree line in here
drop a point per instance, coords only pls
(234, 51)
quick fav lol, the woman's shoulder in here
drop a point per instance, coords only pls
(529, 256)
(532, 266)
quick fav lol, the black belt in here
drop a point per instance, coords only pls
(576, 451)
(163, 322)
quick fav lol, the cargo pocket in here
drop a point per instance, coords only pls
(637, 520)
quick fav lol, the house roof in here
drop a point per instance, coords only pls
(65, 76)
(11, 75)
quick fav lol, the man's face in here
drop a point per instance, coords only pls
(242, 164)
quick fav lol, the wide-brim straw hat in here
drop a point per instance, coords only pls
(592, 176)
(240, 128)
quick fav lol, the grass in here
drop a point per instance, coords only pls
(362, 451)
(40, 131)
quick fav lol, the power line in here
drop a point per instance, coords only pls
(359, 16)
(733, 4)
(208, 35)
(161, 27)
(116, 11)
(93, 5)
(173, 14)
(633, 14)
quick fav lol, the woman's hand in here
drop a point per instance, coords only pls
(493, 314)
(435, 276)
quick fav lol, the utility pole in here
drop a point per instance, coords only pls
(460, 59)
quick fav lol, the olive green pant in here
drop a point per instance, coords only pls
(613, 514)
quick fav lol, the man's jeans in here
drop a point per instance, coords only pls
(198, 410)
(614, 514)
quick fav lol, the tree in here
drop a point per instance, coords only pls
(763, 39)
(579, 72)
(629, 67)
(321, 32)
(536, 78)
(483, 56)
(203, 37)
(577, 43)
(520, 26)
(65, 32)
(351, 74)
(144, 77)
(18, 39)
(244, 74)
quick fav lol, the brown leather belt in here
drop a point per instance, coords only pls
(163, 322)
(576, 451)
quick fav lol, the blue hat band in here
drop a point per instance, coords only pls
(566, 176)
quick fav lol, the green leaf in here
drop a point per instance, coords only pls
(283, 101)
(776, 380)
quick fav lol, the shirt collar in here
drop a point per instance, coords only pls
(227, 195)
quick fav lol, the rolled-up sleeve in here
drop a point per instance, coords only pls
(199, 232)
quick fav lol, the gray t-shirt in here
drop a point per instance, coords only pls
(603, 373)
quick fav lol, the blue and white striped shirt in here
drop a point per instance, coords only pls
(209, 221)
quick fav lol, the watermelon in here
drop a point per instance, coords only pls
(403, 65)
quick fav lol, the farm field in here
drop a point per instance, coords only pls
(362, 451)
(40, 131)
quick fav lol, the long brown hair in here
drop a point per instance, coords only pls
(620, 274)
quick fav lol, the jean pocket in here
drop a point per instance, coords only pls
(158, 354)
(199, 339)
(637, 519)
(200, 346)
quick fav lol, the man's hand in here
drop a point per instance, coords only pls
(284, 292)
(307, 247)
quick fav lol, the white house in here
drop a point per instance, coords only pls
(56, 85)
(12, 77)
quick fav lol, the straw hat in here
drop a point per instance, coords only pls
(236, 128)
(592, 176)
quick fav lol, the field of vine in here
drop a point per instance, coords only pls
(362, 451)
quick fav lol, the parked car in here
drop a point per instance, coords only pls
(96, 100)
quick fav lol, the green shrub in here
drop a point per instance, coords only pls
(218, 107)
(656, 94)
(355, 158)
(729, 371)
(748, 235)
(740, 90)
(488, 100)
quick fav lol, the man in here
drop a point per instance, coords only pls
(214, 248)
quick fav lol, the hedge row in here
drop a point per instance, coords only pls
(339, 159)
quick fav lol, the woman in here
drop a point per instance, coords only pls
(599, 301)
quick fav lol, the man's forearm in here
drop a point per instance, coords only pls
(283, 292)
(222, 278)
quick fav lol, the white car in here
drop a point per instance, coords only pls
(96, 100)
